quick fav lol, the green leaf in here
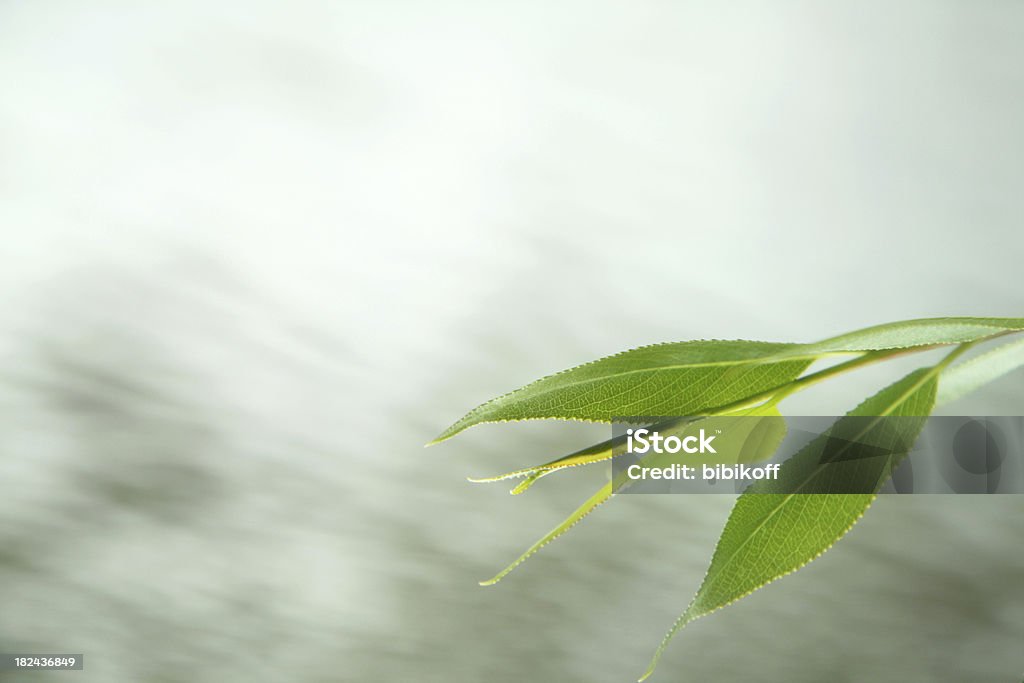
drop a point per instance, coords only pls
(960, 380)
(770, 533)
(697, 377)
(748, 440)
(602, 495)
(684, 378)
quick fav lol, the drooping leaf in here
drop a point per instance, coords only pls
(600, 496)
(748, 441)
(775, 528)
(960, 380)
(693, 378)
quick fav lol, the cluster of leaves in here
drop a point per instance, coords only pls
(771, 531)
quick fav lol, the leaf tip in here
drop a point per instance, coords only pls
(447, 433)
(521, 487)
(436, 440)
(501, 575)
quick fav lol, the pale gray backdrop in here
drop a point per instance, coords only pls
(256, 254)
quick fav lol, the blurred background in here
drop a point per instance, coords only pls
(257, 254)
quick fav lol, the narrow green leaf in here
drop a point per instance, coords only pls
(960, 380)
(914, 333)
(684, 378)
(602, 494)
(773, 531)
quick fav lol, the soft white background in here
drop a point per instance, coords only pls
(256, 254)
